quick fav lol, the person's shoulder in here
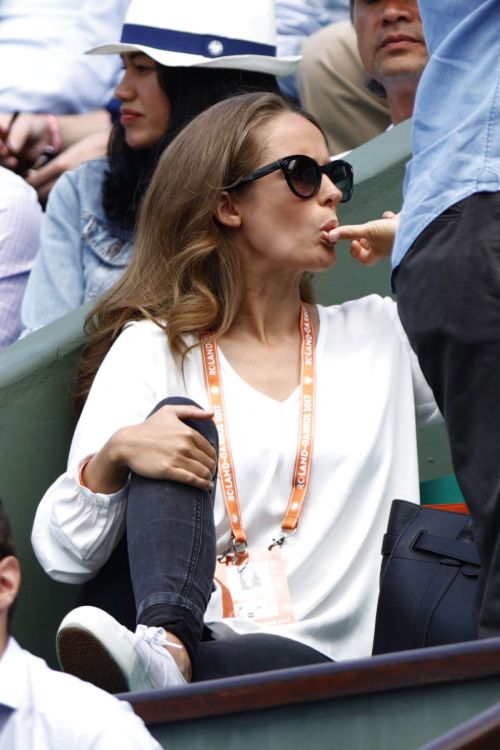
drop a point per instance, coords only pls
(142, 341)
(84, 709)
(144, 330)
(89, 171)
(86, 177)
(82, 184)
(369, 321)
(10, 178)
(373, 305)
(15, 188)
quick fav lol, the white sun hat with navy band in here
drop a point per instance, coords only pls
(203, 33)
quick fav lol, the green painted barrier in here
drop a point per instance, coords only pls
(37, 419)
(442, 491)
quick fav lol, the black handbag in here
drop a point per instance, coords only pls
(428, 580)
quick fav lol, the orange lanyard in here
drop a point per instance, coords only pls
(303, 459)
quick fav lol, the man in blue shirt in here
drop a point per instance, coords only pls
(446, 255)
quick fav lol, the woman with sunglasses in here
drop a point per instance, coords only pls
(308, 411)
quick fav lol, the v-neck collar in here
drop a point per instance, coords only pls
(295, 394)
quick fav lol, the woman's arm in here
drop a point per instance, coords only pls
(161, 447)
(70, 140)
(78, 524)
(24, 142)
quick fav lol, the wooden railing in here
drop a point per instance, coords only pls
(388, 672)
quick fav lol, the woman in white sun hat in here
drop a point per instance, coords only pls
(313, 415)
(179, 58)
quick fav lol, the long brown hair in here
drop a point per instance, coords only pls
(185, 274)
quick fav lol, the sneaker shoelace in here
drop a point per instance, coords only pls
(154, 636)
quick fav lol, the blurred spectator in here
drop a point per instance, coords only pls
(20, 219)
(41, 709)
(298, 19)
(88, 227)
(295, 20)
(336, 79)
(333, 86)
(446, 255)
(41, 46)
(392, 47)
(446, 258)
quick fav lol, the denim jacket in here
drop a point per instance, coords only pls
(82, 253)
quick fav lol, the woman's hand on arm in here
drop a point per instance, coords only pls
(161, 447)
(370, 242)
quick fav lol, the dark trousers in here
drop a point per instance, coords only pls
(162, 575)
(448, 296)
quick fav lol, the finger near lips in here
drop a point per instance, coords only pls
(339, 234)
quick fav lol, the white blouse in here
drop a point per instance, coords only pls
(370, 390)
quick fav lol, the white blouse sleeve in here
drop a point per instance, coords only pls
(75, 530)
(426, 409)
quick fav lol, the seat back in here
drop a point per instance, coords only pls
(37, 419)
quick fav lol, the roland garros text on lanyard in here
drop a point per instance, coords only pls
(302, 470)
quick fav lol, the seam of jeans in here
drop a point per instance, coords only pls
(195, 546)
(154, 600)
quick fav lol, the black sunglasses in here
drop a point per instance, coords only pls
(303, 175)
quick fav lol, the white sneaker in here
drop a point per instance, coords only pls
(93, 646)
